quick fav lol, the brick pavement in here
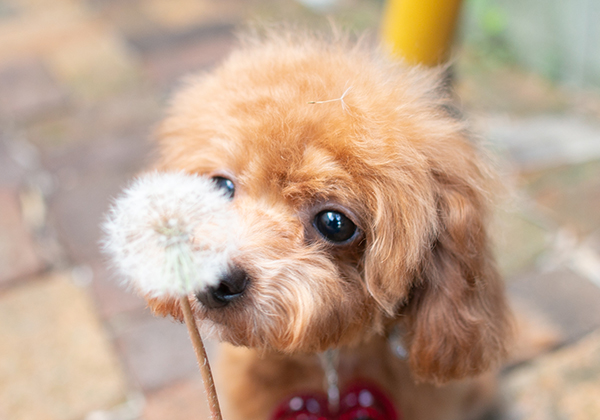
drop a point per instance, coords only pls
(52, 344)
(560, 385)
(83, 83)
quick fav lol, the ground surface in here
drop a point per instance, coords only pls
(82, 85)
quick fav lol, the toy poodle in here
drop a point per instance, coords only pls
(364, 286)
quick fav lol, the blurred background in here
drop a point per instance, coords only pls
(82, 86)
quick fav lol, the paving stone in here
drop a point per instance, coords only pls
(152, 42)
(539, 129)
(507, 90)
(8, 10)
(111, 298)
(168, 54)
(547, 140)
(157, 351)
(156, 19)
(33, 207)
(35, 7)
(184, 13)
(89, 171)
(28, 91)
(568, 300)
(11, 172)
(130, 115)
(594, 241)
(78, 213)
(535, 333)
(57, 362)
(166, 67)
(89, 175)
(56, 131)
(570, 195)
(129, 410)
(124, 16)
(95, 66)
(581, 256)
(562, 385)
(519, 241)
(181, 401)
(18, 257)
(37, 34)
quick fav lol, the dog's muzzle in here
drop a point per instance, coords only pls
(231, 286)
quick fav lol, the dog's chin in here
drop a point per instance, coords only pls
(278, 334)
(309, 345)
(247, 326)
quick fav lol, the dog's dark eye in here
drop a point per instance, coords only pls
(226, 185)
(334, 226)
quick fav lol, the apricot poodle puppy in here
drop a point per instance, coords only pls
(363, 204)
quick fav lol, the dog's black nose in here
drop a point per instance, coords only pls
(231, 286)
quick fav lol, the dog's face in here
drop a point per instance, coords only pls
(354, 214)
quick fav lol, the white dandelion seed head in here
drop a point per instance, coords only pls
(171, 234)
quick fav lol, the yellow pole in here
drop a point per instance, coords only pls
(420, 31)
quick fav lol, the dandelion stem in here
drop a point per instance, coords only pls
(207, 378)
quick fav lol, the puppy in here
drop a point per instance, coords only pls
(363, 206)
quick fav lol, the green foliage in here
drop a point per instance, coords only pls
(485, 28)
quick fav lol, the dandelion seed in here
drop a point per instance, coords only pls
(171, 235)
(341, 99)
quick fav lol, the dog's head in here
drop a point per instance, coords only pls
(360, 211)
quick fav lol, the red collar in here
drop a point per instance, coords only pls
(361, 400)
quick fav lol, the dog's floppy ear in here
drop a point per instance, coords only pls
(457, 318)
(428, 264)
(402, 212)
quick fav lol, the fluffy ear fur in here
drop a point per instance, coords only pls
(457, 318)
(402, 211)
(432, 266)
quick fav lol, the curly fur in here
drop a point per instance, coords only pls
(402, 167)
